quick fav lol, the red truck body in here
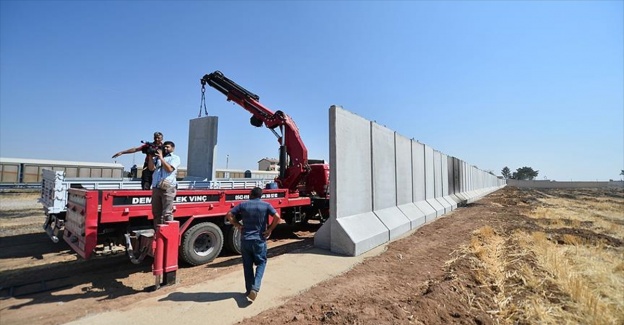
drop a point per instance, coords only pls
(102, 217)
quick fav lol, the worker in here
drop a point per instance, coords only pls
(146, 175)
(254, 215)
(164, 165)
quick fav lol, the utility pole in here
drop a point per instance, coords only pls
(227, 161)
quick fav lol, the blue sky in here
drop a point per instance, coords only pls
(494, 83)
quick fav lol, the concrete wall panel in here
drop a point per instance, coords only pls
(447, 176)
(202, 148)
(394, 219)
(405, 179)
(355, 234)
(438, 184)
(429, 173)
(351, 182)
(352, 228)
(430, 181)
(416, 216)
(428, 210)
(384, 181)
(383, 184)
(419, 181)
(439, 172)
(384, 167)
(418, 171)
(456, 192)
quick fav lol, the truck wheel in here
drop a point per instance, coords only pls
(201, 243)
(233, 240)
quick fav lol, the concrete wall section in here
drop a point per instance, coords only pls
(430, 182)
(470, 192)
(352, 228)
(383, 185)
(462, 180)
(385, 180)
(453, 167)
(418, 171)
(419, 183)
(405, 180)
(202, 148)
(441, 180)
(459, 180)
(477, 178)
(447, 177)
(404, 173)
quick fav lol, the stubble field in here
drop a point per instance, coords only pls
(517, 256)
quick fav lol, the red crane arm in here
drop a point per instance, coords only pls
(293, 169)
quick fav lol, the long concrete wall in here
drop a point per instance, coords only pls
(384, 185)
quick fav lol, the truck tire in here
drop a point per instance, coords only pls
(202, 243)
(233, 240)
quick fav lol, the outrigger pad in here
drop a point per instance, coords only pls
(169, 279)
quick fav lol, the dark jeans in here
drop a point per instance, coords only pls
(146, 179)
(162, 205)
(254, 252)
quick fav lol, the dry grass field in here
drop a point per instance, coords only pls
(517, 256)
(566, 268)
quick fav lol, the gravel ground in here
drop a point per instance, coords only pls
(20, 213)
(15, 200)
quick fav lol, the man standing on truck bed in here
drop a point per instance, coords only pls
(164, 165)
(255, 217)
(146, 175)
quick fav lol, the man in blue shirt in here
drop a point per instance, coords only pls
(164, 165)
(254, 215)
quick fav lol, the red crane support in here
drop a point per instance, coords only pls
(290, 141)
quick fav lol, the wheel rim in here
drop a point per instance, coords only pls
(204, 244)
(237, 239)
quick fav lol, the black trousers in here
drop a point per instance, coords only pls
(146, 179)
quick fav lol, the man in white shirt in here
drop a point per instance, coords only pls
(164, 165)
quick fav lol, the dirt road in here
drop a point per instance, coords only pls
(425, 278)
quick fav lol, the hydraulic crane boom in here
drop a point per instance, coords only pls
(292, 168)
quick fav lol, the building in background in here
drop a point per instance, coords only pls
(268, 164)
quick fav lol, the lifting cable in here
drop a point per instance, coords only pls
(203, 102)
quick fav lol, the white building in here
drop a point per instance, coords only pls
(270, 164)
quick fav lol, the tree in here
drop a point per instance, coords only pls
(506, 173)
(525, 173)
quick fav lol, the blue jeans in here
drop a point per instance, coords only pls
(254, 252)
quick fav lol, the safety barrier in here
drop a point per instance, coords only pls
(384, 185)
